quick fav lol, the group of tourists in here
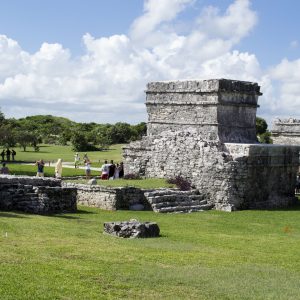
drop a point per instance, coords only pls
(112, 170)
(8, 153)
(108, 170)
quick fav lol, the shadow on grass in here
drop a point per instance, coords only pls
(71, 217)
(12, 215)
(81, 211)
(295, 207)
(65, 217)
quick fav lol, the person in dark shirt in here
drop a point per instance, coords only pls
(112, 168)
(121, 170)
(8, 152)
(13, 154)
(40, 168)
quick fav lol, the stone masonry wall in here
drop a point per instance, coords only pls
(36, 195)
(108, 198)
(229, 176)
(208, 106)
(286, 131)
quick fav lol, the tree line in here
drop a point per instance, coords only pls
(47, 129)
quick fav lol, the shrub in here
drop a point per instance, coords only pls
(181, 183)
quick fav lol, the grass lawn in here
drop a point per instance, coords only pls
(53, 152)
(30, 170)
(149, 183)
(205, 255)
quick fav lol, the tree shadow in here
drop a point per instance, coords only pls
(81, 211)
(12, 215)
(71, 217)
(295, 207)
(65, 217)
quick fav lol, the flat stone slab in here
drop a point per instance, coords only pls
(132, 229)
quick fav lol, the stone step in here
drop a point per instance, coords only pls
(174, 198)
(184, 209)
(171, 192)
(187, 202)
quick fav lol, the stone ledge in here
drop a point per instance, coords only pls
(204, 86)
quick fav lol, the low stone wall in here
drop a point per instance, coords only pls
(36, 195)
(109, 198)
(164, 200)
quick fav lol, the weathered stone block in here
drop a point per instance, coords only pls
(132, 229)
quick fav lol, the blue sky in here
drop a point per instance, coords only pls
(90, 60)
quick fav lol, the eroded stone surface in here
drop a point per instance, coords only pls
(36, 195)
(286, 131)
(205, 132)
(132, 229)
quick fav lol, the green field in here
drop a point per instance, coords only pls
(30, 170)
(148, 183)
(53, 152)
(205, 255)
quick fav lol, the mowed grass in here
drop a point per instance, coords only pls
(30, 170)
(205, 255)
(148, 183)
(54, 152)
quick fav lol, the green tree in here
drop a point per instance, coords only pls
(264, 136)
(80, 143)
(121, 133)
(261, 125)
(7, 136)
(27, 138)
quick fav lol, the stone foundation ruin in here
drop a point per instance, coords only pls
(286, 131)
(36, 195)
(205, 132)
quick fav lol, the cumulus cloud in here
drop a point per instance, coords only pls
(285, 97)
(106, 84)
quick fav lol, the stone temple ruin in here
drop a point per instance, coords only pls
(205, 132)
(286, 131)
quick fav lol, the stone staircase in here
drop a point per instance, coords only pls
(175, 201)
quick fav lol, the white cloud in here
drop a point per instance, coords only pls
(284, 100)
(106, 84)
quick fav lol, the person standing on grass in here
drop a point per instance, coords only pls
(2, 155)
(76, 160)
(58, 168)
(112, 168)
(121, 170)
(13, 154)
(87, 164)
(40, 168)
(105, 170)
(117, 171)
(4, 170)
(8, 154)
